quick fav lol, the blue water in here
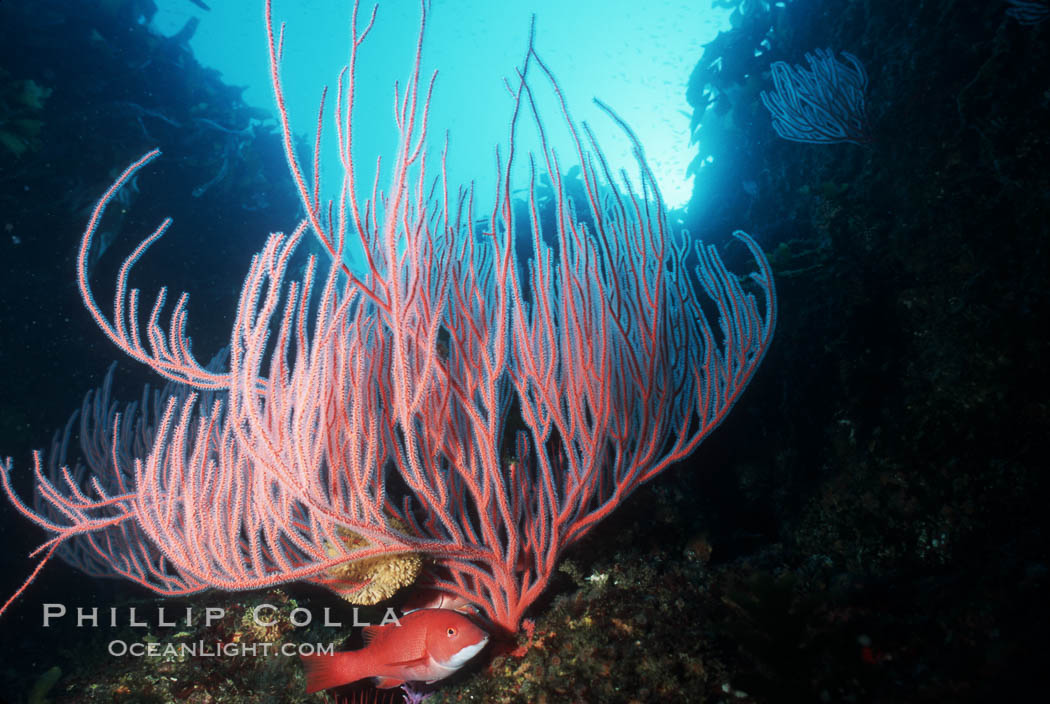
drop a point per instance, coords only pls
(636, 56)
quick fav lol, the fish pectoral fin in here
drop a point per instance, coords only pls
(387, 682)
(370, 632)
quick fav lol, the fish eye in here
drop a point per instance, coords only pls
(451, 632)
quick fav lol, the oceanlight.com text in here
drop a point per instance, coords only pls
(202, 649)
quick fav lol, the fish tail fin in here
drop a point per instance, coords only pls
(327, 671)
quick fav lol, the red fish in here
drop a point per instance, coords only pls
(432, 599)
(429, 645)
